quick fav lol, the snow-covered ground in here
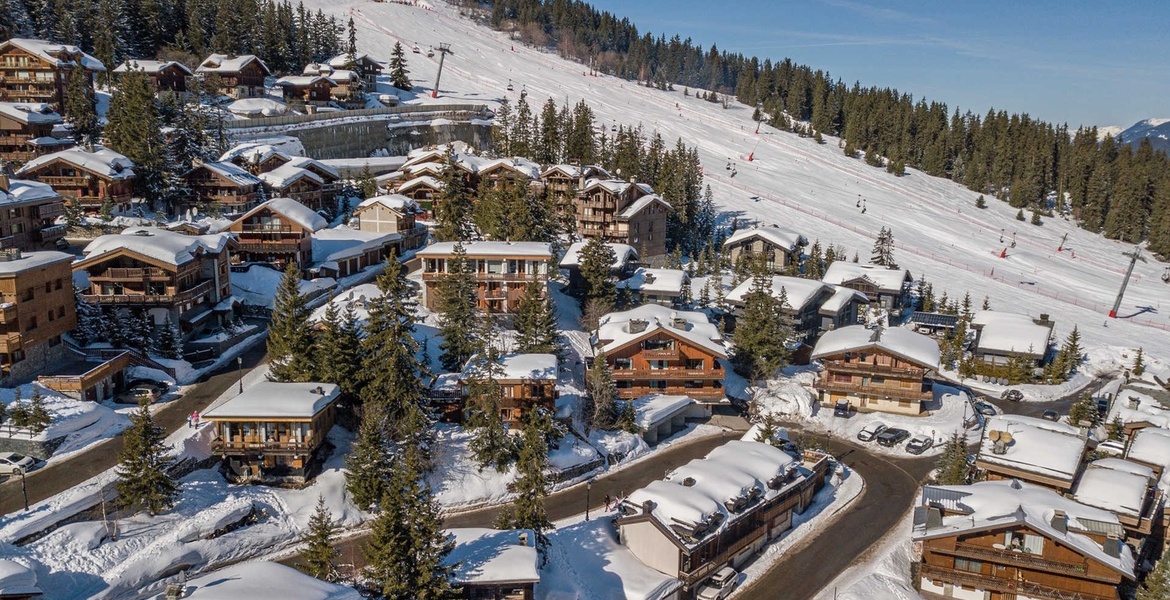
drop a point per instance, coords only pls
(883, 573)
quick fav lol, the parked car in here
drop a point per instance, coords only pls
(919, 444)
(871, 431)
(892, 437)
(719, 585)
(1113, 447)
(841, 409)
(986, 409)
(1050, 415)
(142, 392)
(1103, 406)
(12, 463)
(1012, 395)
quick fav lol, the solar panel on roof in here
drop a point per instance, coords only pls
(934, 319)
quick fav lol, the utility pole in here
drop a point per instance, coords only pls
(1134, 256)
(444, 48)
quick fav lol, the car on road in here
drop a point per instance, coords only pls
(892, 437)
(871, 431)
(919, 444)
(719, 585)
(1012, 395)
(142, 392)
(12, 463)
(841, 409)
(1050, 415)
(1113, 447)
(985, 409)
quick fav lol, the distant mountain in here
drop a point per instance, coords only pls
(1157, 130)
(1104, 130)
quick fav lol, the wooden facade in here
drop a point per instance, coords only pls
(223, 186)
(778, 250)
(874, 375)
(237, 76)
(165, 76)
(37, 71)
(521, 389)
(28, 217)
(306, 90)
(26, 131)
(392, 215)
(267, 235)
(87, 177)
(502, 270)
(617, 212)
(36, 307)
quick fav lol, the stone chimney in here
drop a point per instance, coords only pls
(1112, 546)
(647, 507)
(1060, 521)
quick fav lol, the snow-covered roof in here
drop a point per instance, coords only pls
(17, 580)
(529, 366)
(638, 205)
(295, 211)
(841, 297)
(272, 399)
(102, 162)
(303, 80)
(29, 112)
(426, 180)
(253, 153)
(1151, 446)
(519, 164)
(250, 107)
(1011, 332)
(575, 171)
(395, 202)
(800, 291)
(341, 60)
(493, 556)
(615, 186)
(533, 250)
(253, 580)
(51, 52)
(886, 279)
(652, 409)
(655, 281)
(623, 254)
(914, 347)
(358, 296)
(1001, 504)
(614, 328)
(1037, 446)
(1148, 409)
(314, 165)
(698, 493)
(780, 237)
(1123, 465)
(231, 172)
(33, 260)
(223, 63)
(287, 174)
(26, 190)
(339, 243)
(162, 245)
(151, 67)
(1118, 490)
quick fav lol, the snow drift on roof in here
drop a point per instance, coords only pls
(101, 161)
(841, 297)
(271, 399)
(253, 580)
(652, 409)
(800, 291)
(251, 107)
(484, 556)
(231, 172)
(614, 328)
(1011, 332)
(339, 243)
(33, 260)
(426, 180)
(486, 249)
(886, 280)
(911, 346)
(1117, 491)
(1151, 446)
(1038, 446)
(780, 237)
(285, 175)
(26, 190)
(29, 112)
(295, 211)
(151, 67)
(50, 52)
(162, 245)
(655, 281)
(222, 63)
(253, 153)
(623, 254)
(395, 202)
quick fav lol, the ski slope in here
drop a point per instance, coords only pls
(810, 188)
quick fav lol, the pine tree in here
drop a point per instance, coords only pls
(883, 249)
(762, 333)
(458, 312)
(336, 356)
(89, 320)
(980, 202)
(536, 322)
(596, 260)
(1116, 428)
(290, 341)
(986, 303)
(134, 129)
(453, 206)
(1084, 410)
(1139, 364)
(399, 74)
(350, 44)
(1020, 215)
(491, 445)
(318, 540)
(81, 107)
(38, 418)
(170, 343)
(602, 394)
(366, 184)
(144, 481)
(1156, 585)
(532, 486)
(952, 463)
(367, 466)
(1036, 217)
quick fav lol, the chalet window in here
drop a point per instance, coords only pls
(658, 345)
(695, 364)
(877, 380)
(57, 285)
(842, 378)
(623, 383)
(964, 564)
(1024, 542)
(658, 384)
(623, 363)
(694, 383)
(658, 365)
(48, 286)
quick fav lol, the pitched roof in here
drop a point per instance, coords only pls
(342, 60)
(1011, 332)
(640, 204)
(30, 112)
(51, 52)
(314, 165)
(287, 174)
(395, 202)
(151, 67)
(223, 63)
(916, 348)
(493, 556)
(783, 238)
(841, 297)
(520, 366)
(229, 171)
(295, 211)
(303, 80)
(655, 281)
(426, 180)
(159, 244)
(623, 254)
(528, 249)
(25, 190)
(800, 291)
(886, 279)
(102, 162)
(254, 154)
(614, 329)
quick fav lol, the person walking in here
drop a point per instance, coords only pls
(607, 504)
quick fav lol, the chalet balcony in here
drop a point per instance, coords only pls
(13, 140)
(259, 247)
(8, 313)
(868, 368)
(20, 157)
(50, 210)
(660, 354)
(668, 373)
(10, 342)
(875, 390)
(1022, 560)
(238, 446)
(65, 181)
(51, 233)
(153, 299)
(1004, 586)
(133, 274)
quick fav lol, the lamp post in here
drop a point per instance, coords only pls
(23, 489)
(588, 488)
(240, 370)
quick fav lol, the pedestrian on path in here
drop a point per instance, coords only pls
(607, 503)
(195, 415)
(190, 421)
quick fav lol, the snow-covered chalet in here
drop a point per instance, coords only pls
(277, 232)
(502, 271)
(88, 177)
(624, 212)
(526, 381)
(778, 247)
(37, 70)
(164, 75)
(26, 131)
(885, 287)
(235, 76)
(875, 369)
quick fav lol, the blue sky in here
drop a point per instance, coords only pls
(1080, 62)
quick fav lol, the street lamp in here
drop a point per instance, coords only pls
(588, 487)
(240, 370)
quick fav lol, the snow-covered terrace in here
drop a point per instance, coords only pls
(1051, 451)
(493, 557)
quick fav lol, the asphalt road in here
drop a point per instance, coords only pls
(1035, 409)
(58, 477)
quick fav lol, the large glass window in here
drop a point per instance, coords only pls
(964, 564)
(1024, 542)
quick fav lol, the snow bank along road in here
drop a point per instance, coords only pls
(103, 456)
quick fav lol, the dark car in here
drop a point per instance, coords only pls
(892, 437)
(1050, 415)
(1012, 395)
(986, 409)
(919, 444)
(841, 409)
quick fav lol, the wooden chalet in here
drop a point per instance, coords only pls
(654, 286)
(423, 190)
(348, 86)
(1031, 449)
(803, 301)
(719, 510)
(502, 270)
(886, 288)
(842, 309)
(277, 232)
(311, 90)
(28, 215)
(87, 177)
(493, 564)
(274, 432)
(392, 214)
(364, 65)
(624, 265)
(875, 369)
(165, 274)
(26, 131)
(1004, 540)
(526, 381)
(623, 212)
(1001, 336)
(36, 308)
(223, 186)
(562, 182)
(652, 349)
(507, 172)
(256, 158)
(304, 185)
(779, 249)
(164, 75)
(1127, 489)
(237, 76)
(36, 71)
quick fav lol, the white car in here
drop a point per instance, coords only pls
(12, 463)
(719, 585)
(1113, 447)
(871, 431)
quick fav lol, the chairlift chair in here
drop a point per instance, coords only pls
(510, 88)
(430, 52)
(1166, 275)
(416, 49)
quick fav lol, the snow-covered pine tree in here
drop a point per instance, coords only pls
(39, 418)
(318, 540)
(89, 320)
(883, 249)
(290, 339)
(536, 322)
(453, 206)
(952, 463)
(596, 260)
(366, 185)
(144, 481)
(170, 342)
(458, 312)
(1156, 585)
(532, 486)
(762, 333)
(399, 74)
(367, 466)
(335, 350)
(602, 393)
(1139, 364)
(491, 445)
(134, 129)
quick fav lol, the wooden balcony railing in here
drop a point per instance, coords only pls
(1005, 586)
(133, 274)
(876, 390)
(668, 373)
(50, 210)
(871, 368)
(183, 296)
(7, 313)
(660, 354)
(1018, 559)
(10, 342)
(290, 446)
